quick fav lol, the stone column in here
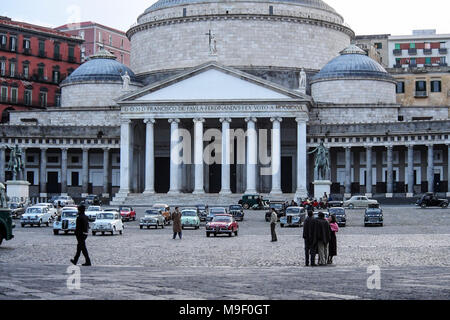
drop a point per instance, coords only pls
(252, 154)
(125, 157)
(150, 157)
(369, 171)
(85, 173)
(226, 156)
(410, 171)
(448, 171)
(390, 173)
(348, 172)
(174, 156)
(276, 156)
(430, 169)
(43, 174)
(2, 164)
(198, 156)
(106, 174)
(302, 190)
(64, 171)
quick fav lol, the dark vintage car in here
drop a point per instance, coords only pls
(280, 208)
(237, 211)
(17, 209)
(6, 225)
(295, 217)
(431, 200)
(222, 224)
(202, 211)
(249, 201)
(92, 199)
(215, 211)
(335, 204)
(373, 216)
(340, 214)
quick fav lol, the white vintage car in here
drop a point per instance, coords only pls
(63, 201)
(67, 222)
(108, 222)
(36, 215)
(92, 212)
(50, 206)
(152, 218)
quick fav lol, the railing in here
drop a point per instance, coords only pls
(27, 51)
(443, 51)
(397, 52)
(412, 51)
(421, 94)
(427, 51)
(57, 56)
(72, 59)
(42, 54)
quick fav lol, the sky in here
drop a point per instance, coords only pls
(396, 17)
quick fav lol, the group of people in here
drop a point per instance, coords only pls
(310, 203)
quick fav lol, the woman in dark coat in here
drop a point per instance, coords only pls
(332, 249)
(176, 217)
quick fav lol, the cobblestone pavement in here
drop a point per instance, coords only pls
(412, 250)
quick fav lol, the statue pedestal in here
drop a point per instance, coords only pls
(320, 187)
(18, 191)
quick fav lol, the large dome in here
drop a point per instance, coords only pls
(162, 4)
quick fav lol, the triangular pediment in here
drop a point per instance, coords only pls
(213, 82)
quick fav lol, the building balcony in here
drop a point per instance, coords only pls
(427, 51)
(397, 52)
(412, 51)
(42, 54)
(443, 51)
(27, 51)
(72, 59)
(57, 56)
(421, 94)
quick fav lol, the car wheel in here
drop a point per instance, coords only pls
(55, 232)
(236, 233)
(365, 225)
(444, 205)
(47, 223)
(423, 205)
(148, 227)
(246, 206)
(208, 234)
(103, 233)
(141, 227)
(134, 218)
(282, 225)
(351, 206)
(162, 226)
(230, 234)
(39, 223)
(215, 234)
(120, 232)
(23, 225)
(93, 233)
(66, 232)
(182, 228)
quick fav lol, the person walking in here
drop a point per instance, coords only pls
(322, 238)
(81, 233)
(332, 248)
(176, 217)
(273, 224)
(308, 236)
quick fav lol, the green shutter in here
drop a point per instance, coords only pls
(428, 60)
(412, 45)
(397, 46)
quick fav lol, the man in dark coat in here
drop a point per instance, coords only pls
(322, 238)
(177, 228)
(81, 232)
(308, 236)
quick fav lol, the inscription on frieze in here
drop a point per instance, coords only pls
(211, 108)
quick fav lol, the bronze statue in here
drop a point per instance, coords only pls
(15, 164)
(322, 164)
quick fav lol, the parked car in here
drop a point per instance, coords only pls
(295, 216)
(340, 214)
(237, 211)
(373, 216)
(202, 211)
(6, 225)
(17, 209)
(334, 204)
(165, 211)
(67, 222)
(215, 211)
(127, 213)
(92, 211)
(63, 201)
(92, 199)
(222, 224)
(36, 215)
(189, 218)
(248, 201)
(152, 218)
(430, 199)
(280, 208)
(359, 201)
(107, 222)
(50, 206)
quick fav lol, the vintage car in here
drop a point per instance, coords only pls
(373, 216)
(36, 215)
(222, 224)
(63, 201)
(51, 208)
(92, 199)
(152, 218)
(17, 209)
(67, 222)
(249, 201)
(280, 208)
(92, 211)
(295, 216)
(107, 222)
(430, 199)
(165, 211)
(237, 211)
(359, 201)
(202, 211)
(6, 225)
(189, 218)
(335, 204)
(340, 214)
(127, 213)
(214, 211)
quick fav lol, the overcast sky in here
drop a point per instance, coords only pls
(397, 17)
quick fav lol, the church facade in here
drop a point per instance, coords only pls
(226, 98)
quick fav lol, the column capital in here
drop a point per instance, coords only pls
(430, 145)
(64, 149)
(301, 119)
(149, 121)
(85, 149)
(125, 121)
(347, 147)
(251, 119)
(222, 120)
(276, 119)
(409, 145)
(44, 149)
(390, 147)
(106, 149)
(368, 146)
(202, 120)
(174, 121)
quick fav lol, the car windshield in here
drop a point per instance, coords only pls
(293, 210)
(105, 216)
(235, 207)
(373, 212)
(34, 210)
(337, 211)
(188, 213)
(222, 219)
(61, 198)
(90, 197)
(217, 210)
(70, 214)
(13, 206)
(201, 207)
(93, 209)
(276, 205)
(152, 212)
(125, 209)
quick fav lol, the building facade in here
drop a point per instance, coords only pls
(97, 37)
(33, 61)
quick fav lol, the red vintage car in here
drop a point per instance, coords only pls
(222, 224)
(127, 213)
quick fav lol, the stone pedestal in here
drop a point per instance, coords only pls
(18, 189)
(389, 195)
(410, 195)
(320, 187)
